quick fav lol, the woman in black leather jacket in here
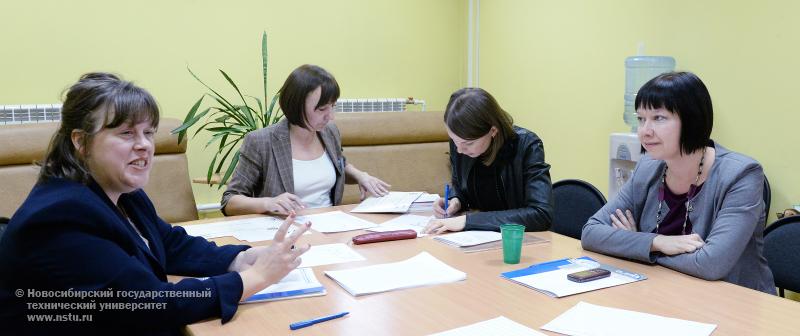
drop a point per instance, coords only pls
(499, 172)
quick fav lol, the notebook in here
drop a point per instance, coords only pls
(550, 278)
(299, 283)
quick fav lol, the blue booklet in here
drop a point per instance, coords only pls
(550, 277)
(298, 283)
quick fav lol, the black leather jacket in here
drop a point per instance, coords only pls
(522, 176)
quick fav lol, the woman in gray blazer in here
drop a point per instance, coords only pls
(690, 205)
(297, 162)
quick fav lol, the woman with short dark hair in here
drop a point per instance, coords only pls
(297, 162)
(690, 204)
(499, 172)
(88, 235)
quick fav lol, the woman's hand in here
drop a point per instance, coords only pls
(368, 184)
(437, 226)
(452, 208)
(623, 221)
(672, 245)
(271, 264)
(283, 204)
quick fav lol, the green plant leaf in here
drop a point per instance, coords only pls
(233, 112)
(248, 115)
(215, 138)
(231, 167)
(188, 121)
(260, 112)
(264, 63)
(268, 116)
(225, 157)
(221, 99)
(211, 168)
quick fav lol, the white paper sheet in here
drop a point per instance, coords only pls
(335, 221)
(496, 326)
(394, 202)
(329, 254)
(250, 229)
(427, 198)
(585, 319)
(404, 222)
(469, 238)
(420, 270)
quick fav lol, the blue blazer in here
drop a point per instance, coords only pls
(68, 239)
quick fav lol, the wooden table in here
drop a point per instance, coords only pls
(484, 295)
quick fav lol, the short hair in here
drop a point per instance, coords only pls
(97, 101)
(301, 82)
(471, 113)
(684, 94)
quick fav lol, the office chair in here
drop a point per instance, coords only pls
(767, 197)
(3, 224)
(575, 201)
(782, 250)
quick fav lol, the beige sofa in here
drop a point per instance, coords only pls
(408, 150)
(169, 186)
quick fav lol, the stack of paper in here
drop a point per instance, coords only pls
(588, 320)
(394, 202)
(527, 239)
(496, 326)
(469, 238)
(421, 270)
(424, 203)
(335, 221)
(298, 283)
(250, 229)
(329, 254)
(404, 222)
(550, 278)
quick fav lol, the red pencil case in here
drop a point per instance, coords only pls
(377, 237)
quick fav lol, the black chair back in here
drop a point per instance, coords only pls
(782, 250)
(3, 224)
(575, 201)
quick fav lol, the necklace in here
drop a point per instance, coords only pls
(689, 196)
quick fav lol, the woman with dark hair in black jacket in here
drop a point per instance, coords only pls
(498, 169)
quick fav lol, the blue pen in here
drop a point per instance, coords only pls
(303, 324)
(446, 198)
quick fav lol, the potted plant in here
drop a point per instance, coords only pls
(229, 122)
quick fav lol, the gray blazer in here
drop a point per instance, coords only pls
(265, 163)
(728, 214)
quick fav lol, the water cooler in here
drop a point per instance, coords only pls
(625, 149)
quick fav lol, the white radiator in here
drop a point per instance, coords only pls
(376, 104)
(20, 114)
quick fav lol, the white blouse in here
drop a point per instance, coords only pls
(313, 180)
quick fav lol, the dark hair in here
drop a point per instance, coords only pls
(298, 85)
(684, 94)
(97, 101)
(471, 113)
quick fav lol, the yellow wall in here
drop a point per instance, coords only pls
(558, 68)
(374, 48)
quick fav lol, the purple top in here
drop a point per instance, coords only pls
(672, 225)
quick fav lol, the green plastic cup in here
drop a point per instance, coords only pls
(512, 242)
